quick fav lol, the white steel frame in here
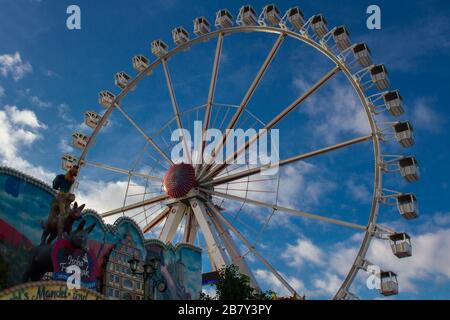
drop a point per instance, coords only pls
(197, 208)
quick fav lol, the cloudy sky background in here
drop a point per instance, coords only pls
(49, 76)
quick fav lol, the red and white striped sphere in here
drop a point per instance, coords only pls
(179, 180)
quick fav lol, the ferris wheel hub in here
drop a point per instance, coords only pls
(179, 180)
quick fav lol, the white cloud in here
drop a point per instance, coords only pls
(304, 183)
(20, 128)
(303, 251)
(424, 117)
(50, 73)
(64, 146)
(441, 218)
(24, 117)
(357, 190)
(103, 196)
(268, 278)
(12, 64)
(100, 195)
(34, 100)
(64, 113)
(430, 260)
(38, 102)
(338, 111)
(326, 285)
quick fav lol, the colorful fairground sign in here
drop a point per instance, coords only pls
(65, 255)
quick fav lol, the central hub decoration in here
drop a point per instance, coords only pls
(179, 180)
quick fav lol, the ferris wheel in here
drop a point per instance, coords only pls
(202, 204)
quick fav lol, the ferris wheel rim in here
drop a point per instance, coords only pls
(329, 54)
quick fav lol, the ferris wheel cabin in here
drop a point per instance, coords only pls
(401, 245)
(404, 133)
(271, 14)
(247, 16)
(394, 103)
(201, 26)
(296, 17)
(380, 77)
(319, 25)
(409, 168)
(68, 161)
(224, 19)
(342, 38)
(79, 140)
(159, 48)
(180, 36)
(91, 119)
(389, 283)
(106, 98)
(140, 63)
(121, 79)
(408, 206)
(363, 55)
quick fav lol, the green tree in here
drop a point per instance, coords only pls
(233, 285)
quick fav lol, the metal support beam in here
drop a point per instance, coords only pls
(120, 170)
(218, 256)
(191, 227)
(135, 205)
(176, 110)
(258, 255)
(288, 210)
(248, 95)
(236, 258)
(173, 220)
(141, 131)
(275, 121)
(211, 92)
(156, 220)
(249, 172)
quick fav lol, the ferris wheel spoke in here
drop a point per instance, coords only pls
(135, 205)
(211, 91)
(214, 172)
(156, 220)
(149, 140)
(251, 90)
(259, 169)
(285, 209)
(124, 171)
(254, 251)
(176, 110)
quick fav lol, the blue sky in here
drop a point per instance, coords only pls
(49, 76)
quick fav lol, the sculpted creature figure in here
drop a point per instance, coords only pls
(58, 222)
(41, 256)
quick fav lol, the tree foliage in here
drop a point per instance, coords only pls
(233, 285)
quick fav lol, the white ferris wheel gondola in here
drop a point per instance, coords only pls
(224, 19)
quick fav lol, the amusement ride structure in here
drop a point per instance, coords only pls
(190, 200)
